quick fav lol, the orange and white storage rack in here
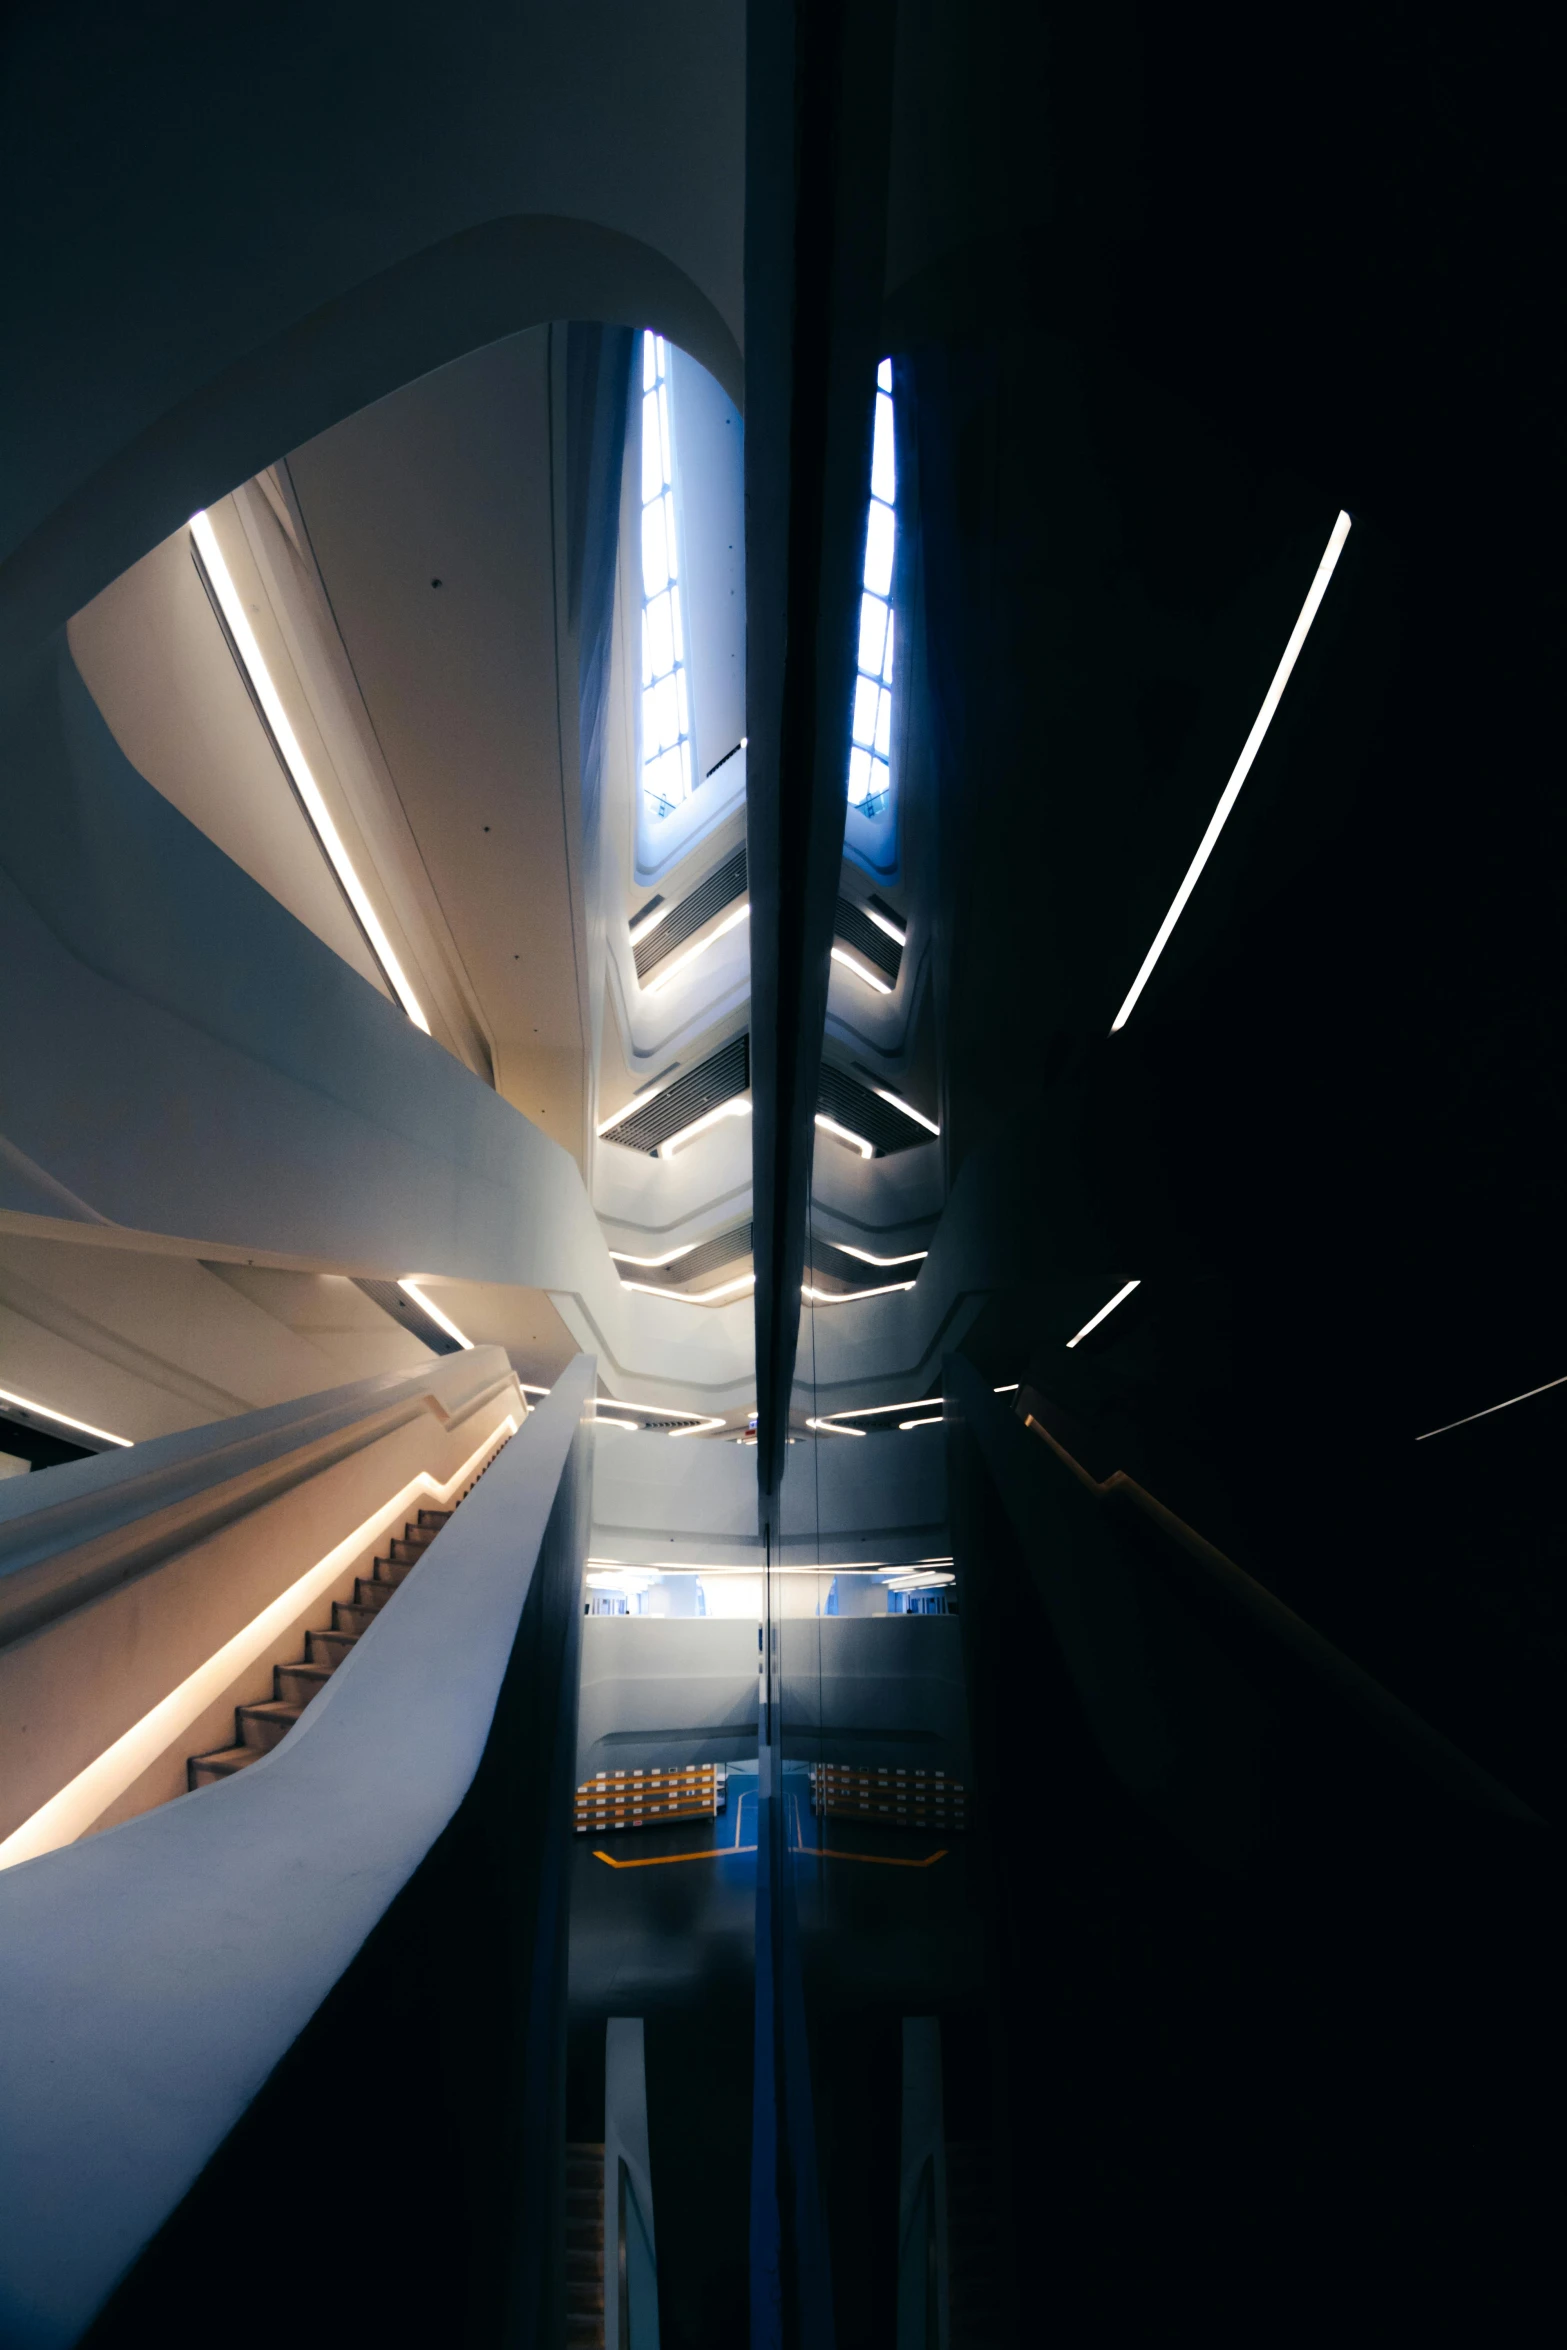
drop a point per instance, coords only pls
(651, 1798)
(891, 1798)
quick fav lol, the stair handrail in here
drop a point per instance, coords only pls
(1241, 1596)
(74, 1533)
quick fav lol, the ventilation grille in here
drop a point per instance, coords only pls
(720, 1078)
(839, 1097)
(720, 889)
(873, 946)
(725, 1248)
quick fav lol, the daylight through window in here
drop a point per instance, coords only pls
(666, 691)
(870, 769)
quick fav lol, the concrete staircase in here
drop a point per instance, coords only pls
(584, 2247)
(258, 1728)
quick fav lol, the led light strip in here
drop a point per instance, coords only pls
(671, 970)
(239, 628)
(833, 1428)
(908, 1109)
(672, 1411)
(1253, 743)
(435, 1313)
(738, 1108)
(88, 1796)
(916, 1256)
(694, 1297)
(673, 1256)
(869, 1411)
(1124, 1292)
(882, 923)
(48, 1412)
(845, 1297)
(728, 1567)
(860, 970)
(1448, 1425)
(906, 1424)
(867, 1150)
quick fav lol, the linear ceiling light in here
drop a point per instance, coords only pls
(527, 1390)
(738, 1108)
(916, 1256)
(672, 970)
(844, 1297)
(868, 1411)
(670, 1257)
(1124, 1292)
(861, 970)
(315, 807)
(908, 1109)
(1449, 1425)
(631, 1427)
(693, 1297)
(1253, 743)
(435, 1313)
(867, 1150)
(832, 1428)
(1012, 1390)
(47, 1411)
(903, 1424)
(668, 1411)
(882, 923)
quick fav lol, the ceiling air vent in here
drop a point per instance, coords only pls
(719, 1078)
(710, 897)
(862, 1112)
(873, 946)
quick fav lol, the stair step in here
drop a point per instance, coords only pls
(368, 1593)
(265, 1726)
(434, 1519)
(406, 1553)
(585, 2260)
(388, 1571)
(297, 1684)
(347, 1616)
(329, 1648)
(580, 2295)
(205, 1770)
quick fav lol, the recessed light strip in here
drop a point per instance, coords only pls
(916, 1256)
(1253, 743)
(1448, 1425)
(693, 1297)
(47, 1411)
(435, 1313)
(671, 1256)
(905, 1424)
(315, 807)
(908, 1109)
(671, 970)
(860, 970)
(844, 1297)
(1122, 1293)
(738, 1108)
(882, 923)
(867, 1150)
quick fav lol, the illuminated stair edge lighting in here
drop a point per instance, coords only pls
(1253, 743)
(305, 784)
(1121, 1294)
(860, 970)
(72, 1810)
(906, 1424)
(908, 1109)
(436, 1314)
(48, 1412)
(1448, 1425)
(867, 1150)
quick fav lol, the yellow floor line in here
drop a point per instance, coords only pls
(662, 1860)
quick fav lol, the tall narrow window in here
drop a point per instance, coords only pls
(666, 691)
(870, 755)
